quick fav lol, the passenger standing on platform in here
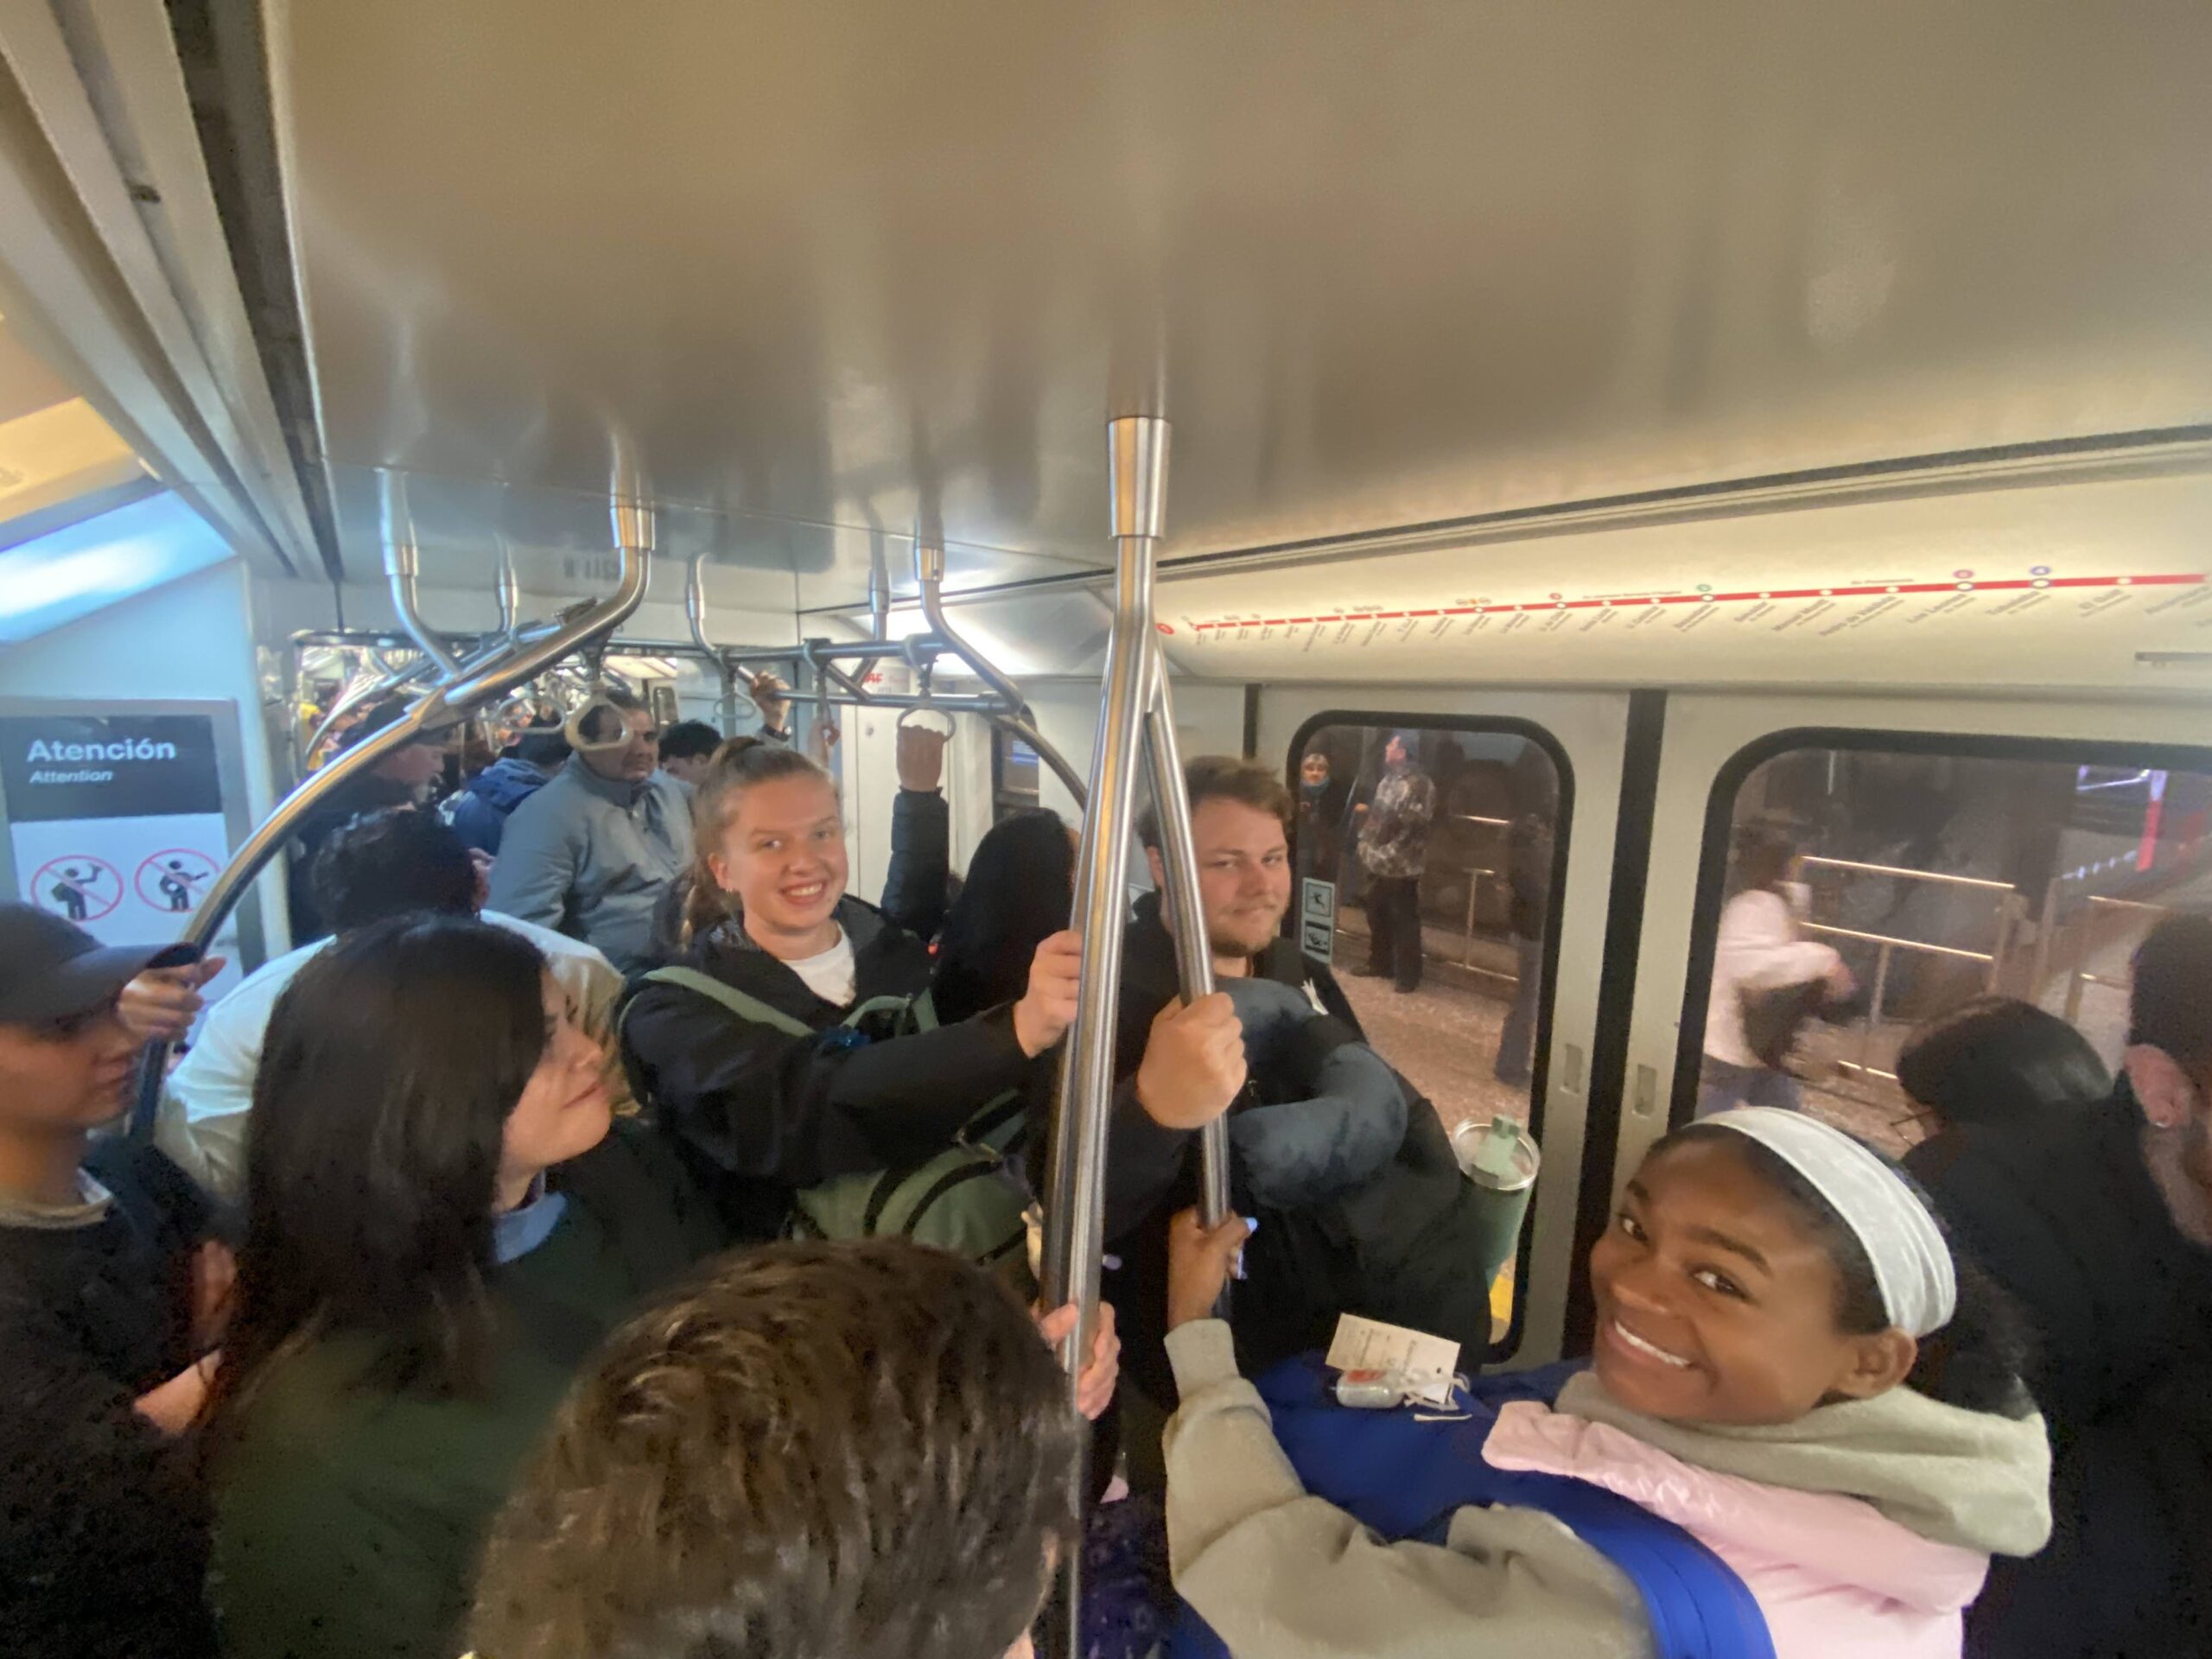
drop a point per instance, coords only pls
(403, 778)
(592, 852)
(1393, 848)
(1322, 800)
(441, 1226)
(2098, 1218)
(111, 1292)
(1767, 978)
(478, 810)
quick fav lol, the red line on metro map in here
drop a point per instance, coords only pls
(1859, 590)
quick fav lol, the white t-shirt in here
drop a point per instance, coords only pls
(201, 1122)
(828, 976)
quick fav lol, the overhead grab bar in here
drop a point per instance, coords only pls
(694, 612)
(506, 589)
(929, 574)
(443, 705)
(402, 565)
(1134, 714)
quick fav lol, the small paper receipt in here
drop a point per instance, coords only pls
(1428, 1364)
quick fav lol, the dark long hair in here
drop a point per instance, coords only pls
(1976, 1362)
(1020, 882)
(389, 1068)
(1998, 1060)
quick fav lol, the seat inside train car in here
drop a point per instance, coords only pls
(1692, 523)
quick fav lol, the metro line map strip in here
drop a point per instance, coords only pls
(1964, 584)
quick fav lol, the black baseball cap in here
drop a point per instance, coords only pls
(51, 968)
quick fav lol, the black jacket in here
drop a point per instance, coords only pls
(758, 1114)
(2060, 1210)
(1391, 1248)
(103, 1524)
(915, 882)
(363, 794)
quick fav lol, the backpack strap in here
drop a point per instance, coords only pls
(898, 1005)
(738, 1002)
(997, 1127)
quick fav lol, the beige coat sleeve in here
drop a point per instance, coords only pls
(1280, 1574)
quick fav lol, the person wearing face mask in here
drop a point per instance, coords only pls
(2097, 1216)
(1322, 800)
(592, 852)
(405, 777)
(442, 1222)
(1803, 1434)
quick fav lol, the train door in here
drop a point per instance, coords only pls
(1946, 848)
(1525, 790)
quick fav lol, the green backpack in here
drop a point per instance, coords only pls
(965, 1199)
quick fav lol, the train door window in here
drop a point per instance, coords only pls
(1868, 890)
(1014, 776)
(1427, 861)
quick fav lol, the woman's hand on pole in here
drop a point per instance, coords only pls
(1095, 1388)
(1200, 1260)
(1047, 1007)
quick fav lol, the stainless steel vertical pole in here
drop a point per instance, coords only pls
(1178, 864)
(1075, 1214)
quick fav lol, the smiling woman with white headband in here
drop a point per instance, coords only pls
(1810, 1405)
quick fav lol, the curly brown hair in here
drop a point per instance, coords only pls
(860, 1449)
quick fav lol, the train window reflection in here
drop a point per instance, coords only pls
(1870, 892)
(1426, 858)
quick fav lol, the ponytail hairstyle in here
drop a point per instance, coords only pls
(1976, 1361)
(737, 766)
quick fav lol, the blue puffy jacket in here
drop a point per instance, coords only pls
(478, 811)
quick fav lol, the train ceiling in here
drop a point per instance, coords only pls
(1383, 264)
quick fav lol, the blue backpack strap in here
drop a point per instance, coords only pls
(1405, 1480)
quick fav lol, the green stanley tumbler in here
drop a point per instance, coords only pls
(1502, 1161)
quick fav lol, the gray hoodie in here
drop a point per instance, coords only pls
(592, 855)
(1280, 1574)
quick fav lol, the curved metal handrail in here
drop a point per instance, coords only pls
(442, 706)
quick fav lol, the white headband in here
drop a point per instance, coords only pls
(1913, 1265)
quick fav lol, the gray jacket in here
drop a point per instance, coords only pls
(592, 857)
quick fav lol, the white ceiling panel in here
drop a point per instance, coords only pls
(1382, 262)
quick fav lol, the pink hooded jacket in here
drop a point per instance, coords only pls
(1835, 1578)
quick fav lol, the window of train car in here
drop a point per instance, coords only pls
(1861, 889)
(1014, 776)
(1427, 861)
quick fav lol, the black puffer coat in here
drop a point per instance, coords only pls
(2062, 1211)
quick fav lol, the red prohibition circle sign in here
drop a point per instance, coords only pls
(78, 873)
(198, 871)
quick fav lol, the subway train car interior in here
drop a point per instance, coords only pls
(1634, 477)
